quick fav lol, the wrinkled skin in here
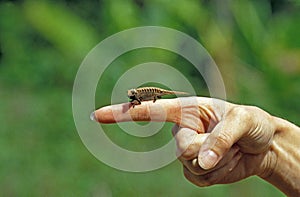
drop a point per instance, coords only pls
(219, 142)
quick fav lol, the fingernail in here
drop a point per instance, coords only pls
(208, 159)
(92, 116)
(195, 162)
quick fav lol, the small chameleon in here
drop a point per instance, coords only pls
(149, 93)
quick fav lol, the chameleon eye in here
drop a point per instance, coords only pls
(133, 91)
(130, 92)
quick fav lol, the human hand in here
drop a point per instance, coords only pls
(235, 146)
(218, 142)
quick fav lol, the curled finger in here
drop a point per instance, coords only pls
(194, 167)
(188, 142)
(224, 174)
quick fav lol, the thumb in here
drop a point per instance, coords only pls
(227, 132)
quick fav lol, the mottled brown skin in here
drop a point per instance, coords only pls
(149, 93)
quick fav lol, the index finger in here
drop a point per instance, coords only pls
(184, 111)
(162, 110)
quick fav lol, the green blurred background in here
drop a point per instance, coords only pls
(256, 45)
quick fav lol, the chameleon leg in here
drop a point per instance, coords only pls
(135, 102)
(154, 99)
(140, 100)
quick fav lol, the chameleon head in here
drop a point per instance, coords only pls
(131, 92)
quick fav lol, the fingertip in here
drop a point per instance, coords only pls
(103, 115)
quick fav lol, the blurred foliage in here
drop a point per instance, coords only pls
(256, 45)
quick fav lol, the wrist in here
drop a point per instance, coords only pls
(285, 158)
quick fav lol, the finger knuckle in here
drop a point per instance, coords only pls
(185, 146)
(206, 180)
(197, 180)
(244, 113)
(197, 170)
(200, 180)
(186, 174)
(211, 179)
(187, 151)
(224, 140)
